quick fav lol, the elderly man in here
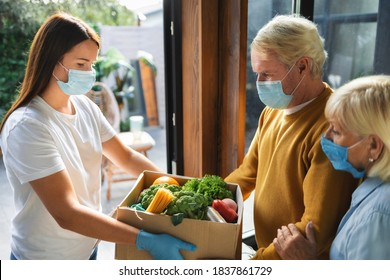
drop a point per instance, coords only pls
(292, 179)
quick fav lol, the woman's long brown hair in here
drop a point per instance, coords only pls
(57, 36)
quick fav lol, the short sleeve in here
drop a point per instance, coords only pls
(106, 130)
(31, 152)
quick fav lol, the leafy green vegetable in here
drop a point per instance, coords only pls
(177, 218)
(192, 205)
(192, 185)
(211, 186)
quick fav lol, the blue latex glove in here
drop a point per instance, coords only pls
(162, 246)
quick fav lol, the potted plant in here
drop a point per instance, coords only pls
(114, 63)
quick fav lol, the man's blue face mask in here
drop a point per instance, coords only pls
(271, 92)
(338, 156)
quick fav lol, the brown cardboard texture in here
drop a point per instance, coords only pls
(213, 240)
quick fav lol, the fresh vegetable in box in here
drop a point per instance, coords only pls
(211, 186)
(225, 211)
(192, 205)
(165, 180)
(192, 200)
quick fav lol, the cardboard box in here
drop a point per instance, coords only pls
(213, 240)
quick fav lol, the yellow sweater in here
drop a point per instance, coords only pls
(294, 182)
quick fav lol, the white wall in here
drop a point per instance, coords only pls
(131, 39)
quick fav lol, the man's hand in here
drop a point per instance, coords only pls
(292, 245)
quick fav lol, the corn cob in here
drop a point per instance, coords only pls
(160, 201)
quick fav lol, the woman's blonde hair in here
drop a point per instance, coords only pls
(362, 106)
(292, 37)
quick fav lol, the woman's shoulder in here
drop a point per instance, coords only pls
(383, 193)
(30, 115)
(24, 124)
(379, 199)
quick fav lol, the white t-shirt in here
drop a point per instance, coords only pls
(38, 141)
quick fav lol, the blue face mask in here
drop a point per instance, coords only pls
(338, 156)
(79, 82)
(271, 93)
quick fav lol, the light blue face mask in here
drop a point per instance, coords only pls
(338, 156)
(79, 82)
(271, 92)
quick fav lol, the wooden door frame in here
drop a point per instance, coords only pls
(214, 36)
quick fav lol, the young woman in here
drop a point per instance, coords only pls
(53, 139)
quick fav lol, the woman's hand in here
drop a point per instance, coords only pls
(162, 246)
(292, 245)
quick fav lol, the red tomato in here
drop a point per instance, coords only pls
(227, 213)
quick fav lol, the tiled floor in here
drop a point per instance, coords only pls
(118, 192)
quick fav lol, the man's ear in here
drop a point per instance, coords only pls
(303, 64)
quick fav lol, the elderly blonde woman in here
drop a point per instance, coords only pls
(357, 141)
(292, 179)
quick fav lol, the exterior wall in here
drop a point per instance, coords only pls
(131, 39)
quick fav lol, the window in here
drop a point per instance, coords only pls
(259, 13)
(349, 28)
